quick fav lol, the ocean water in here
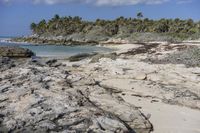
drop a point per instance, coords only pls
(57, 50)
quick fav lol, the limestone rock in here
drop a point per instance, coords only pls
(97, 57)
(35, 98)
(141, 76)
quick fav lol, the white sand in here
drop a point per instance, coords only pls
(168, 118)
(122, 47)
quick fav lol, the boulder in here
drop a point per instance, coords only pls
(12, 51)
(81, 56)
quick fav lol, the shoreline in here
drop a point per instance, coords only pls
(110, 83)
(63, 42)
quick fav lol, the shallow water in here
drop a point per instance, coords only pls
(58, 51)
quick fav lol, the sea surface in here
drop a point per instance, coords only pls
(56, 50)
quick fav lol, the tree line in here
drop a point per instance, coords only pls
(63, 26)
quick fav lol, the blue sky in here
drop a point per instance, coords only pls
(16, 15)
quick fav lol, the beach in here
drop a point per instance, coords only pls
(132, 89)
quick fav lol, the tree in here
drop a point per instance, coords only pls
(42, 23)
(120, 26)
(162, 27)
(139, 15)
(77, 19)
(190, 22)
(56, 17)
(121, 20)
(42, 26)
(33, 27)
(111, 29)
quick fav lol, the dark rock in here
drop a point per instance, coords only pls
(79, 57)
(4, 89)
(146, 48)
(53, 63)
(37, 61)
(56, 65)
(186, 94)
(50, 62)
(4, 60)
(6, 63)
(11, 51)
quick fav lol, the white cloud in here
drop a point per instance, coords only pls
(51, 2)
(5, 1)
(103, 2)
(127, 2)
(184, 1)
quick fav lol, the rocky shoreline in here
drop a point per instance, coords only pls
(84, 39)
(67, 41)
(125, 91)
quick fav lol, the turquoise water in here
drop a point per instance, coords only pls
(58, 51)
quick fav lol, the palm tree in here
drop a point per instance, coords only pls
(42, 26)
(69, 25)
(56, 17)
(139, 15)
(33, 27)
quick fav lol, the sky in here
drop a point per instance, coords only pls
(17, 15)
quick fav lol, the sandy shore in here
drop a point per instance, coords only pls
(121, 92)
(166, 118)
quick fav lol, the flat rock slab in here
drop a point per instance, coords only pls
(48, 99)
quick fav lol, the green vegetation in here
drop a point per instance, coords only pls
(120, 27)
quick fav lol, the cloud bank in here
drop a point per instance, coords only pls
(103, 2)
